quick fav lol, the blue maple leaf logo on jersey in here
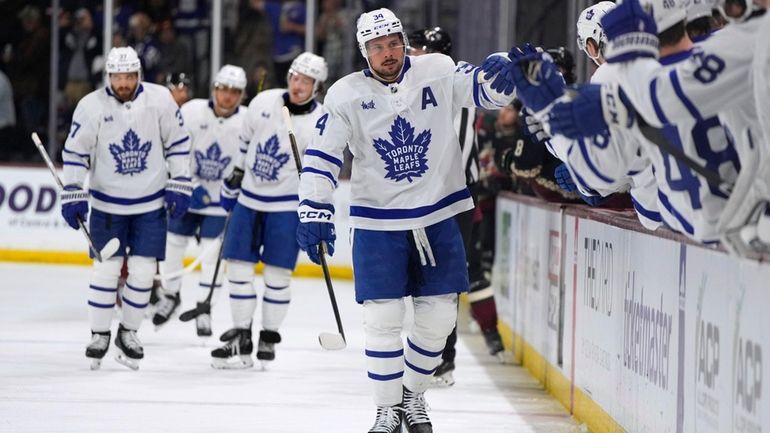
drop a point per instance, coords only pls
(131, 158)
(210, 166)
(268, 161)
(405, 155)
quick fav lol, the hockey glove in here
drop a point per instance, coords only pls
(178, 192)
(532, 128)
(580, 117)
(200, 198)
(498, 65)
(537, 78)
(564, 178)
(631, 32)
(74, 204)
(231, 187)
(315, 226)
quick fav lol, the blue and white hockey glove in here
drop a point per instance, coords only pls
(315, 226)
(564, 178)
(178, 192)
(200, 198)
(532, 128)
(537, 79)
(231, 188)
(74, 204)
(498, 65)
(580, 117)
(631, 32)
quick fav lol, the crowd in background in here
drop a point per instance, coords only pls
(171, 36)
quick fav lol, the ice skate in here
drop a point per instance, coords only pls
(444, 375)
(415, 413)
(203, 325)
(165, 309)
(236, 354)
(494, 343)
(97, 348)
(266, 346)
(130, 349)
(388, 419)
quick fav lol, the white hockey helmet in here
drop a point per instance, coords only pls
(230, 76)
(667, 13)
(312, 65)
(699, 8)
(379, 22)
(589, 26)
(122, 60)
(748, 5)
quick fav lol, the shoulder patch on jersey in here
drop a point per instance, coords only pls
(267, 160)
(368, 105)
(210, 165)
(131, 157)
(404, 155)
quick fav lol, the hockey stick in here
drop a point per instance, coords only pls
(111, 247)
(655, 135)
(187, 269)
(205, 306)
(328, 340)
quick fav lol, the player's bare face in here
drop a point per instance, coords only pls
(124, 84)
(300, 88)
(386, 56)
(227, 98)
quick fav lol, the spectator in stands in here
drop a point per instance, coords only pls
(29, 72)
(7, 118)
(140, 37)
(80, 46)
(174, 55)
(288, 20)
(254, 47)
(331, 33)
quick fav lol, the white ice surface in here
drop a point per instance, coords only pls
(46, 385)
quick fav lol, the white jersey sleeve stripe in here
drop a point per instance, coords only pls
(82, 155)
(686, 226)
(595, 170)
(178, 142)
(324, 156)
(650, 215)
(326, 174)
(682, 97)
(185, 153)
(75, 164)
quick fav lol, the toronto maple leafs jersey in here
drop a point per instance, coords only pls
(715, 80)
(270, 180)
(762, 78)
(612, 162)
(127, 150)
(215, 145)
(407, 166)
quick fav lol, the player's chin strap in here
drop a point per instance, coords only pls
(423, 247)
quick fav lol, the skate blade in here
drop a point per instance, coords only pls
(124, 360)
(96, 363)
(239, 363)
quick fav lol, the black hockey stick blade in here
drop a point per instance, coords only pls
(202, 308)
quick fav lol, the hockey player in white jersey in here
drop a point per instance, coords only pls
(603, 163)
(687, 202)
(264, 218)
(407, 185)
(127, 149)
(213, 125)
(712, 82)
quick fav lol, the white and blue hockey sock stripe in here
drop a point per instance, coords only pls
(275, 306)
(421, 360)
(243, 303)
(386, 369)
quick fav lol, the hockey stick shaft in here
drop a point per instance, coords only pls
(189, 268)
(656, 136)
(322, 249)
(49, 163)
(205, 306)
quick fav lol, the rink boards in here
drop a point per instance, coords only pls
(32, 229)
(631, 331)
